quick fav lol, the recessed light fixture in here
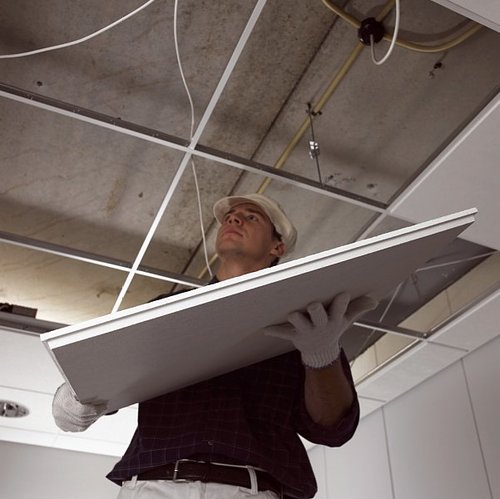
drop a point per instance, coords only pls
(10, 409)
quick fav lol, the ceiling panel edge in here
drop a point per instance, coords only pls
(474, 327)
(418, 364)
(464, 175)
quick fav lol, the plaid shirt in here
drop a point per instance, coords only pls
(250, 416)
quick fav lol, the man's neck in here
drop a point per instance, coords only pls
(229, 269)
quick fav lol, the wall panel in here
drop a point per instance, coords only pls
(317, 458)
(433, 444)
(482, 369)
(29, 471)
(360, 468)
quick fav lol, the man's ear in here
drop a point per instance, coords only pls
(278, 249)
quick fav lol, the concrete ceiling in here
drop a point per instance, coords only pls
(90, 185)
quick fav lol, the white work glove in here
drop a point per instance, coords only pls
(71, 415)
(317, 335)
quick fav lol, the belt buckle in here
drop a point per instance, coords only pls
(176, 471)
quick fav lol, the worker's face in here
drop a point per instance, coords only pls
(247, 232)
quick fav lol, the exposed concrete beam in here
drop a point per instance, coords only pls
(254, 16)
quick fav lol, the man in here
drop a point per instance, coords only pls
(235, 436)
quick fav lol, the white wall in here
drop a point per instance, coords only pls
(29, 472)
(440, 440)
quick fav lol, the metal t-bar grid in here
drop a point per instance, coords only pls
(94, 259)
(196, 136)
(179, 144)
(192, 148)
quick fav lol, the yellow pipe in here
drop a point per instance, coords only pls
(341, 73)
(385, 10)
(431, 49)
(417, 47)
(316, 108)
(342, 14)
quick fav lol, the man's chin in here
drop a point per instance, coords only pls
(230, 241)
(225, 249)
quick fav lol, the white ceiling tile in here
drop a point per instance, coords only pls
(474, 327)
(157, 338)
(70, 442)
(367, 406)
(110, 435)
(467, 171)
(364, 363)
(413, 367)
(486, 12)
(39, 406)
(27, 437)
(26, 363)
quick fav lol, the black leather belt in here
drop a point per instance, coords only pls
(207, 472)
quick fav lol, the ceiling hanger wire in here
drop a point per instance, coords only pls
(313, 143)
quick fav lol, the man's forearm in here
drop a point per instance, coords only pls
(328, 394)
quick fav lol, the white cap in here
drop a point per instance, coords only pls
(271, 208)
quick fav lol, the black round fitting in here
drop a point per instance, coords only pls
(370, 27)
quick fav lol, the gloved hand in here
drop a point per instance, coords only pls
(317, 336)
(71, 415)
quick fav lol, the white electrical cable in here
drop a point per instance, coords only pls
(200, 214)
(193, 167)
(393, 41)
(80, 40)
(181, 70)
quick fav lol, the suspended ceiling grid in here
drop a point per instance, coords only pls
(69, 183)
(98, 191)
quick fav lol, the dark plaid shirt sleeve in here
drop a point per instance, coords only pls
(342, 431)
